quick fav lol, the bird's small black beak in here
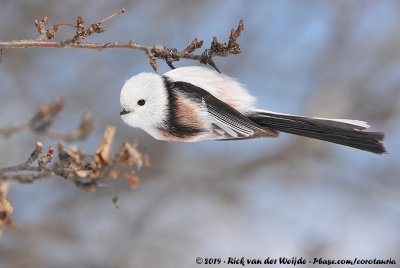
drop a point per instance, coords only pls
(123, 111)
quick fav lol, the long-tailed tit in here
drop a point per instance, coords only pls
(195, 104)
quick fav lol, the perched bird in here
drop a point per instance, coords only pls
(196, 103)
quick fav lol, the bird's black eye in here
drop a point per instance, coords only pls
(141, 102)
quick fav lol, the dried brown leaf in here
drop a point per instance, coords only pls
(102, 154)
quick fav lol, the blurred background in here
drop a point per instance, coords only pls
(255, 199)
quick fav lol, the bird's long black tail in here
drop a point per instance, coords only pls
(345, 132)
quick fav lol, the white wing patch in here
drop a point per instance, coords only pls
(229, 125)
(350, 121)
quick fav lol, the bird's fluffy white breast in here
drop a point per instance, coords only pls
(220, 86)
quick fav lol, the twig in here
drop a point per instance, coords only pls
(113, 15)
(81, 33)
(169, 55)
(41, 121)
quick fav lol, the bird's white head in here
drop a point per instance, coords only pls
(144, 101)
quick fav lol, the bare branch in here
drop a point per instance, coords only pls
(155, 52)
(81, 33)
(41, 121)
(85, 171)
